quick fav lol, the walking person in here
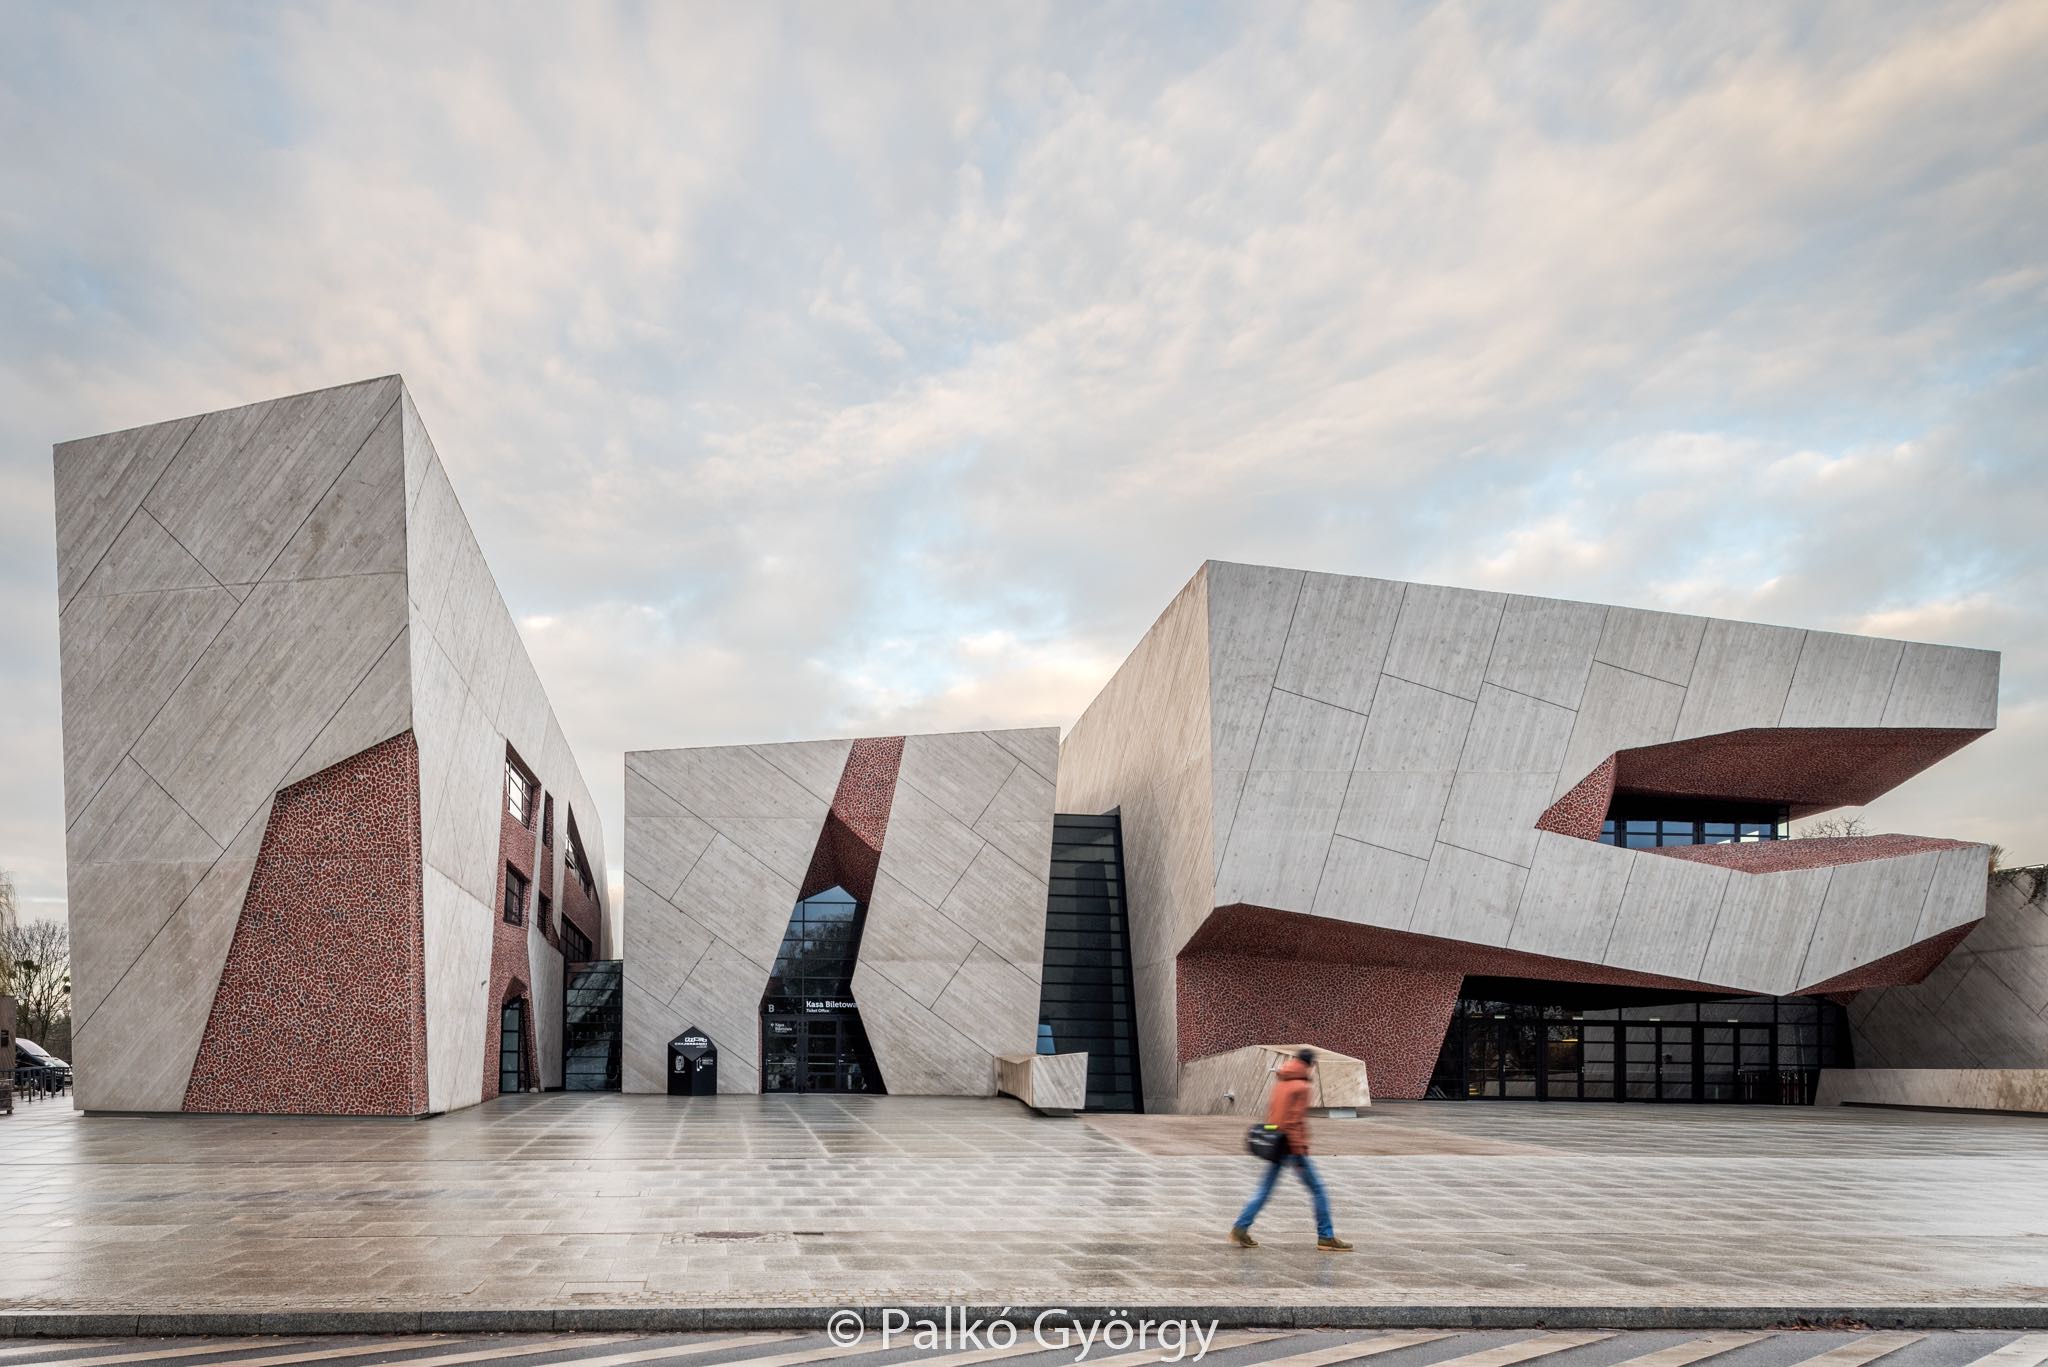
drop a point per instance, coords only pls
(1288, 1109)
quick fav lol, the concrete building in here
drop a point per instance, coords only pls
(330, 851)
(328, 847)
(1507, 846)
(1487, 845)
(840, 915)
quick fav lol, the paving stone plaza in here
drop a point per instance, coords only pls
(552, 1203)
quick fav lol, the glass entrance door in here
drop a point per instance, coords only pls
(1504, 1058)
(811, 1054)
(1731, 1050)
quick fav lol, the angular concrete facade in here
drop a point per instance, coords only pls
(944, 840)
(319, 811)
(1983, 1007)
(290, 692)
(1342, 796)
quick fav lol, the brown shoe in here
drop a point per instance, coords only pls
(1242, 1237)
(1333, 1244)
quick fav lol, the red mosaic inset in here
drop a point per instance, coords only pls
(850, 845)
(1582, 811)
(1256, 975)
(1898, 969)
(1265, 933)
(1808, 768)
(1393, 1018)
(1773, 856)
(321, 1006)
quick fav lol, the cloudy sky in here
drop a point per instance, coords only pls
(846, 368)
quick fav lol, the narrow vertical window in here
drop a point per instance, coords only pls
(518, 793)
(512, 1063)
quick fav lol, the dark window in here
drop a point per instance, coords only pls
(575, 861)
(518, 793)
(575, 944)
(1085, 996)
(513, 1074)
(546, 915)
(1645, 822)
(515, 896)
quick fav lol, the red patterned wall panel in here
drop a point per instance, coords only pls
(1809, 769)
(1773, 856)
(1582, 811)
(321, 1007)
(1902, 968)
(850, 846)
(1393, 1018)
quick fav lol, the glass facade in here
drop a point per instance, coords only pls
(811, 1035)
(1644, 823)
(1086, 999)
(593, 1024)
(1541, 1041)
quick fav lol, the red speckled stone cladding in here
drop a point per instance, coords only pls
(1811, 769)
(321, 1005)
(1582, 811)
(1772, 856)
(1385, 996)
(1392, 1018)
(510, 970)
(850, 845)
(1898, 969)
(1265, 933)
(1256, 975)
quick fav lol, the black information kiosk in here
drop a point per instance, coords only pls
(692, 1064)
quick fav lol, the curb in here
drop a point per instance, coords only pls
(18, 1324)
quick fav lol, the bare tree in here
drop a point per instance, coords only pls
(41, 952)
(10, 916)
(1832, 828)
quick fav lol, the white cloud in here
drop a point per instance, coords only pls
(806, 371)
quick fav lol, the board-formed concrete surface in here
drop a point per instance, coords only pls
(1317, 769)
(722, 841)
(251, 599)
(558, 1202)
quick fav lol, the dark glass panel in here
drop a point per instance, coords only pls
(1085, 991)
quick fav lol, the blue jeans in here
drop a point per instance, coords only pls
(1299, 1162)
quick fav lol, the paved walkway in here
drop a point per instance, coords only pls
(594, 1201)
(1249, 1348)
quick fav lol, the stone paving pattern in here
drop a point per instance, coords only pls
(1534, 1348)
(609, 1200)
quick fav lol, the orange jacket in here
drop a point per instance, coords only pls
(1288, 1107)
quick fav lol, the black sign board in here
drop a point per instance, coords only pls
(692, 1064)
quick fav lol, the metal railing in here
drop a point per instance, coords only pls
(32, 1084)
